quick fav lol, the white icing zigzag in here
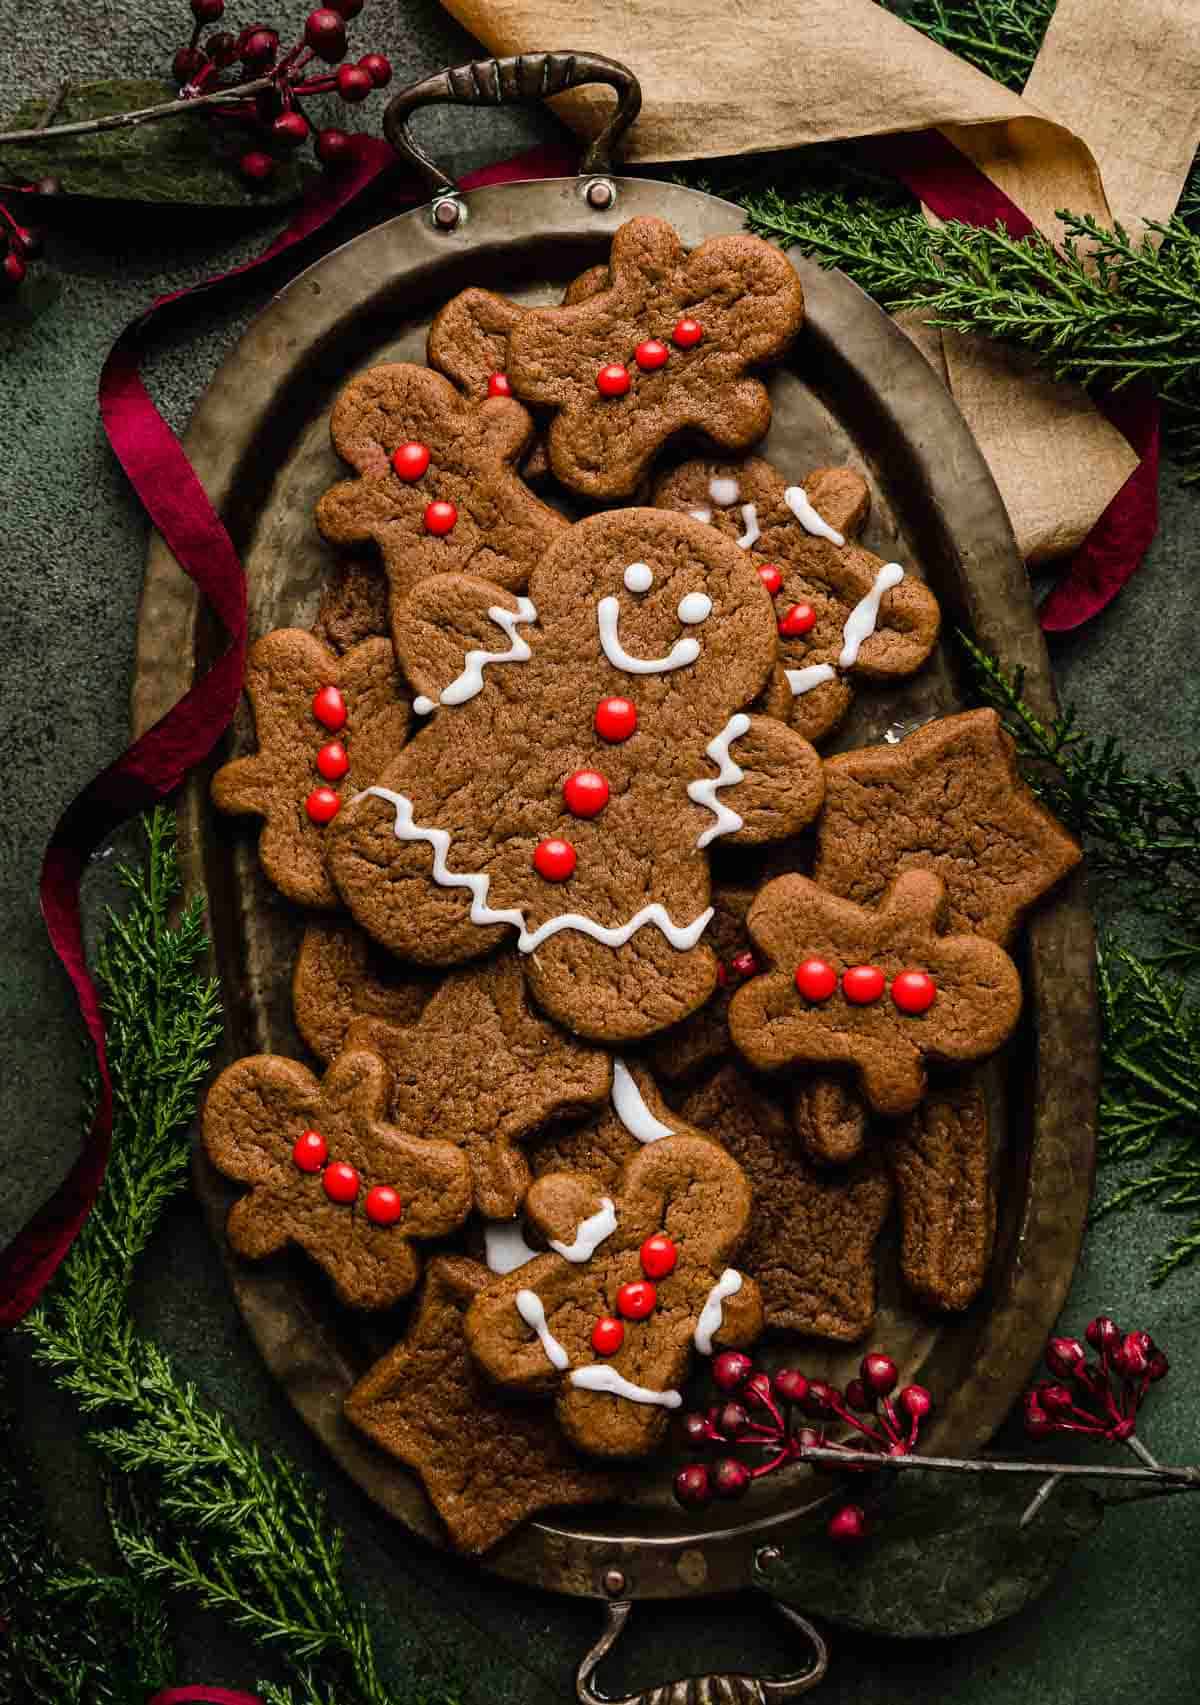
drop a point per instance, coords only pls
(804, 680)
(597, 1377)
(711, 1315)
(705, 792)
(752, 535)
(631, 1110)
(589, 1234)
(504, 1242)
(860, 623)
(681, 937)
(466, 685)
(529, 1307)
(796, 499)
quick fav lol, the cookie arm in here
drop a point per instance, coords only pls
(451, 628)
(783, 783)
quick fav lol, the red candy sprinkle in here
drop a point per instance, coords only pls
(616, 719)
(607, 1336)
(329, 708)
(801, 618)
(585, 794)
(322, 805)
(333, 761)
(913, 991)
(816, 980)
(651, 354)
(744, 963)
(613, 380)
(687, 333)
(340, 1181)
(637, 1299)
(659, 1256)
(499, 385)
(862, 984)
(310, 1151)
(770, 577)
(554, 859)
(383, 1205)
(440, 518)
(411, 460)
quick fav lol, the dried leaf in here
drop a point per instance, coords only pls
(187, 161)
(946, 1556)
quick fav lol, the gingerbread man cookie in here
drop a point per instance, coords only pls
(844, 614)
(665, 347)
(329, 1173)
(634, 1282)
(436, 487)
(878, 989)
(340, 975)
(949, 799)
(584, 748)
(326, 727)
(812, 1239)
(482, 1070)
(488, 1464)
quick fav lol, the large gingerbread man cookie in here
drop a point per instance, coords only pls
(635, 1281)
(878, 989)
(584, 748)
(666, 347)
(328, 1172)
(326, 726)
(844, 614)
(436, 487)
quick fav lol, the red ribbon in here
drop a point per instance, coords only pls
(155, 765)
(203, 1696)
(953, 187)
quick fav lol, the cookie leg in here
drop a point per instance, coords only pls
(830, 1119)
(619, 994)
(941, 1162)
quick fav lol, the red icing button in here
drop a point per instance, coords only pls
(410, 461)
(499, 385)
(585, 794)
(607, 1336)
(651, 354)
(311, 1151)
(637, 1299)
(340, 1181)
(613, 380)
(383, 1205)
(659, 1256)
(913, 991)
(687, 333)
(616, 719)
(745, 964)
(322, 805)
(333, 761)
(770, 577)
(816, 980)
(554, 859)
(862, 984)
(440, 518)
(801, 618)
(329, 708)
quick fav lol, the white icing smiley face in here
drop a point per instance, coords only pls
(693, 609)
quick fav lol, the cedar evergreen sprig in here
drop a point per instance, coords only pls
(238, 1529)
(998, 37)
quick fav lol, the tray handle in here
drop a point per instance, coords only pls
(499, 82)
(704, 1689)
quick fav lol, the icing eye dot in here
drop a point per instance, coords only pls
(694, 607)
(639, 577)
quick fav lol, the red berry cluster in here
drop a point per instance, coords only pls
(332, 761)
(22, 243)
(341, 1182)
(741, 966)
(913, 992)
(274, 113)
(1099, 1399)
(613, 379)
(777, 1400)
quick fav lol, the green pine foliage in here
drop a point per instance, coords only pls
(237, 1529)
(999, 37)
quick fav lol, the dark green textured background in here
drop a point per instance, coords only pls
(72, 545)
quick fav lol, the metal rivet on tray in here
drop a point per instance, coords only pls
(447, 211)
(600, 194)
(766, 1557)
(614, 1582)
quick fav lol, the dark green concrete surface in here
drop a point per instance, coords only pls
(72, 543)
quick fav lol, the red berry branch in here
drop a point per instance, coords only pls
(283, 78)
(885, 1428)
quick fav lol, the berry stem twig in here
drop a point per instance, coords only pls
(141, 115)
(1185, 1478)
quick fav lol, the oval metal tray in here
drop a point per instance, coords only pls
(853, 390)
